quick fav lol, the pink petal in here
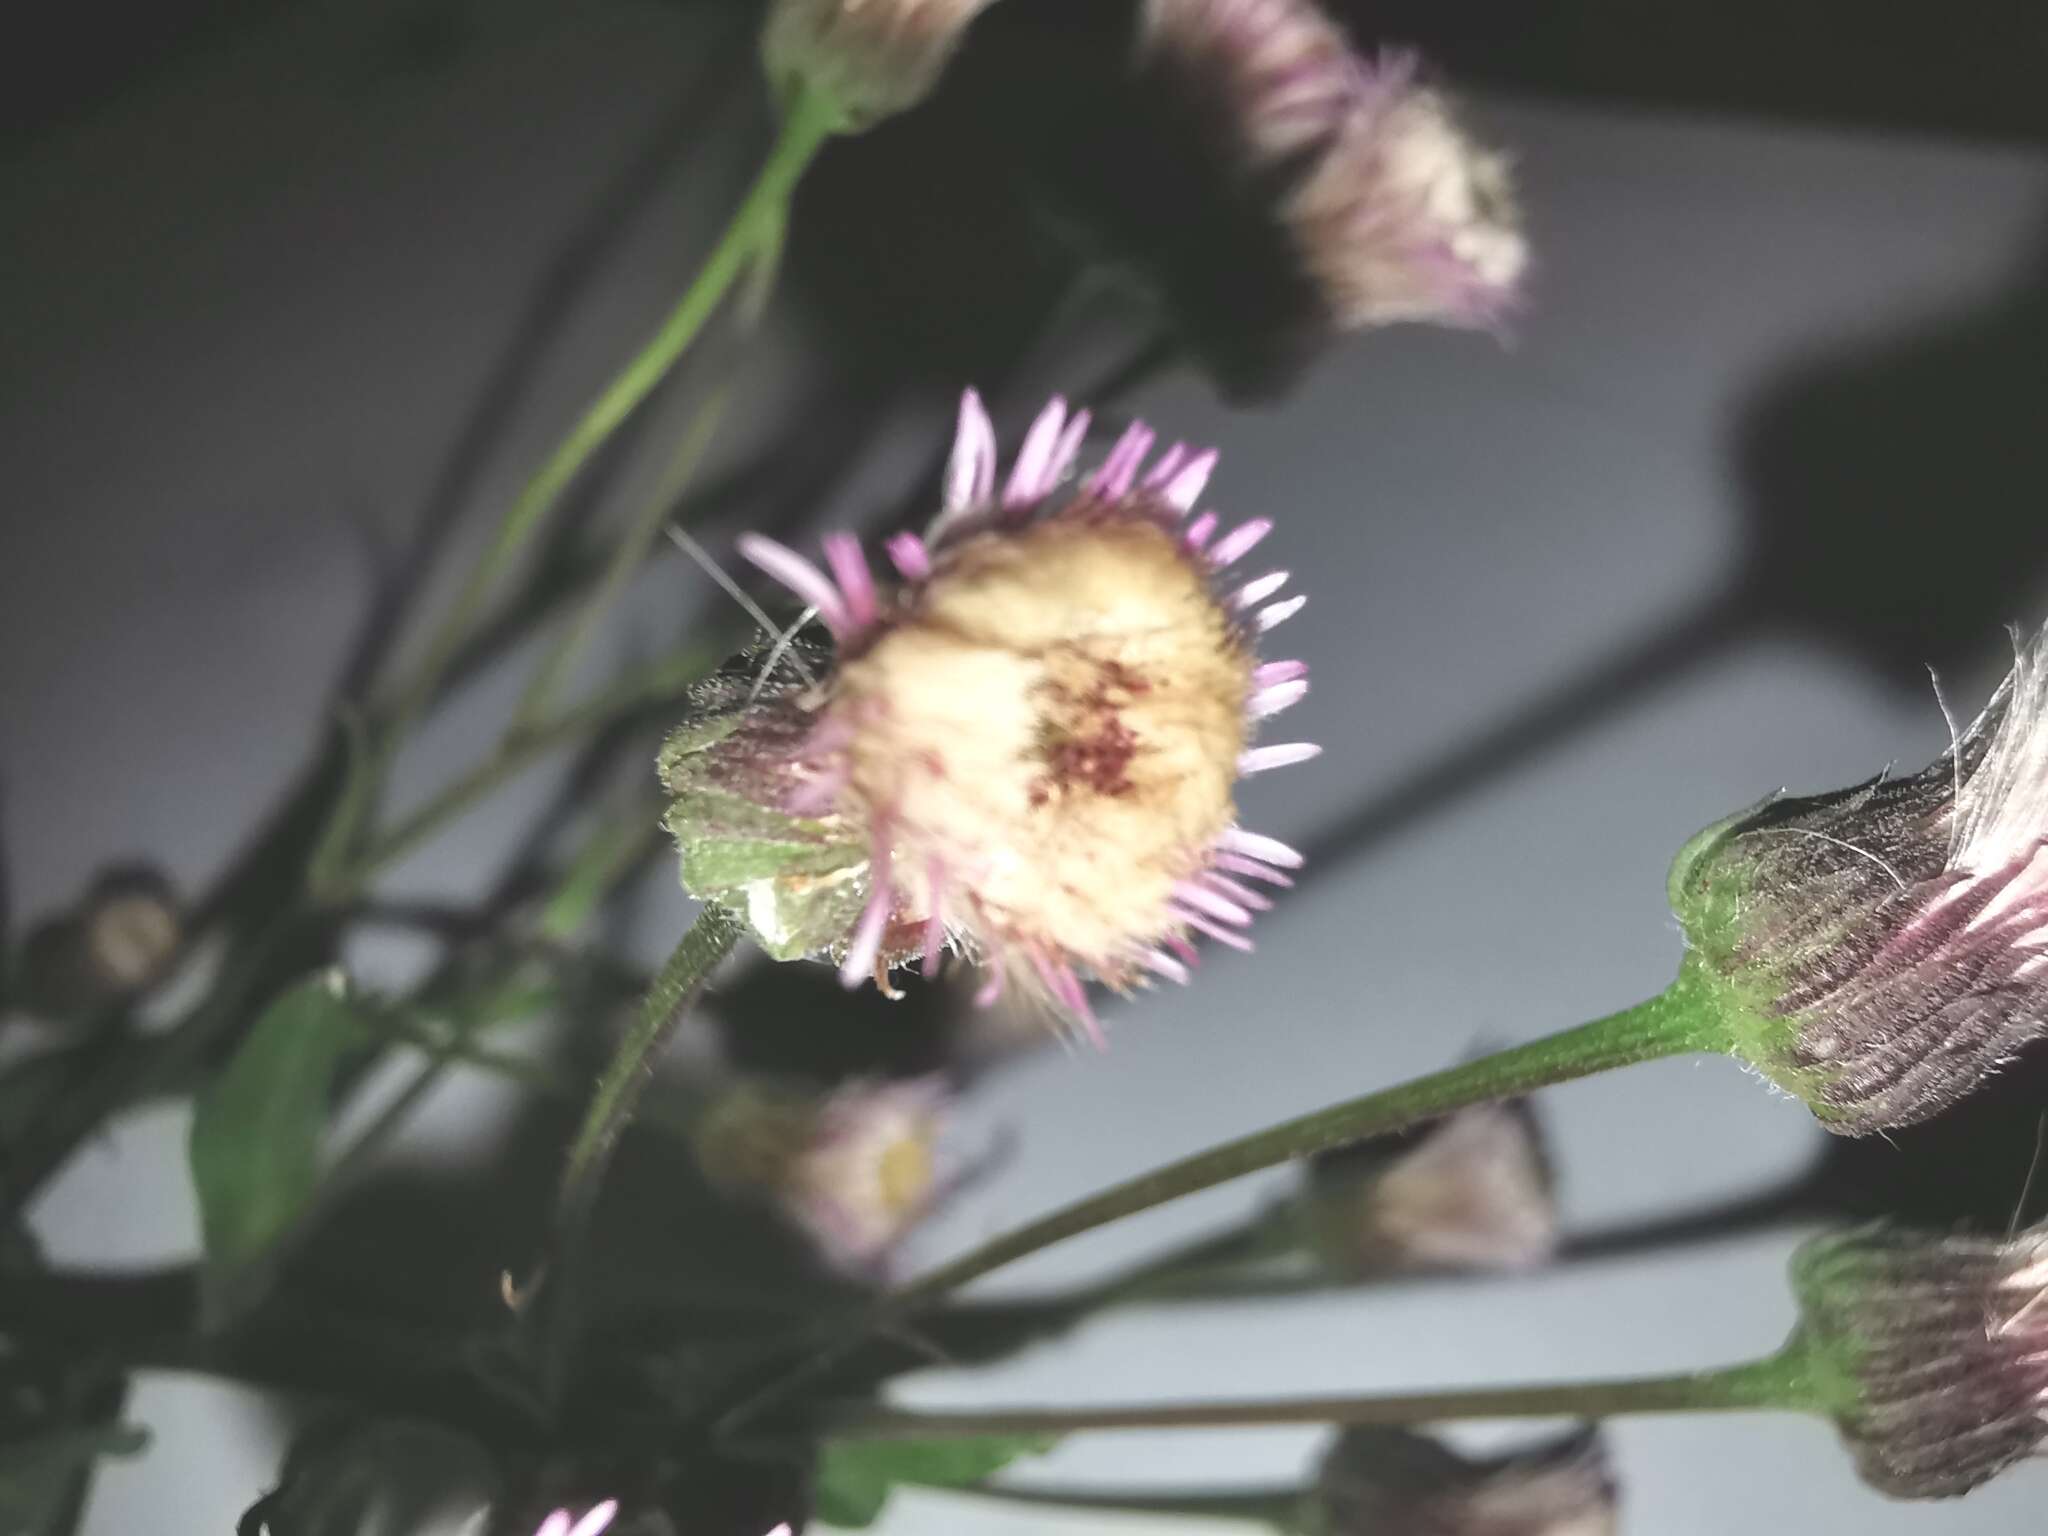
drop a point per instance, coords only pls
(1258, 901)
(1270, 701)
(856, 581)
(987, 993)
(1168, 466)
(800, 576)
(907, 553)
(1199, 530)
(1282, 755)
(1259, 590)
(597, 1521)
(1268, 673)
(1163, 964)
(1269, 850)
(1184, 949)
(1028, 476)
(1239, 541)
(1065, 450)
(1202, 899)
(1279, 613)
(556, 1524)
(1121, 467)
(1238, 864)
(971, 472)
(866, 943)
(1186, 487)
(1215, 930)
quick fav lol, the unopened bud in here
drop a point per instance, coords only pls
(1936, 1348)
(867, 59)
(1471, 1191)
(1880, 951)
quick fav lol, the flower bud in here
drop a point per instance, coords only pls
(856, 1169)
(1937, 1347)
(116, 943)
(1379, 1482)
(1881, 950)
(869, 59)
(1025, 751)
(1375, 201)
(1471, 1191)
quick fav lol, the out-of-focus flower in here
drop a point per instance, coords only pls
(869, 59)
(1937, 1347)
(1881, 950)
(857, 1168)
(116, 943)
(593, 1522)
(1314, 190)
(1472, 1191)
(1026, 748)
(1379, 1482)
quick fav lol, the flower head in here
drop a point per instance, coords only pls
(1381, 206)
(1939, 1345)
(1376, 1482)
(869, 58)
(857, 1169)
(1883, 949)
(1027, 745)
(1472, 1190)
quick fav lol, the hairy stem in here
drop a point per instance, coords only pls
(1681, 1020)
(1779, 1382)
(805, 128)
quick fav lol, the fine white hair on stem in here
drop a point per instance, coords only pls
(1955, 753)
(752, 609)
(1861, 853)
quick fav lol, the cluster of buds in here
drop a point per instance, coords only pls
(1931, 1352)
(855, 1169)
(867, 59)
(1376, 1482)
(1880, 951)
(1382, 207)
(1025, 750)
(1471, 1191)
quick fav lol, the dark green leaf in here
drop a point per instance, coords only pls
(36, 1474)
(257, 1129)
(855, 1477)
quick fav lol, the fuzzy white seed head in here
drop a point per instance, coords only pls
(1055, 725)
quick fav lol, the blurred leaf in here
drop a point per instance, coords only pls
(257, 1128)
(363, 772)
(376, 1479)
(36, 1474)
(611, 850)
(855, 1477)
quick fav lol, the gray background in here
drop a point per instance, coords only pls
(251, 301)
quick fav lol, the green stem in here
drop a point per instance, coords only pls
(1779, 1382)
(626, 558)
(1279, 1508)
(1678, 1021)
(805, 128)
(709, 940)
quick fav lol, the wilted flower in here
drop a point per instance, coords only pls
(1379, 1482)
(1471, 1191)
(1941, 1344)
(1384, 208)
(857, 1168)
(869, 59)
(1026, 749)
(1881, 950)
